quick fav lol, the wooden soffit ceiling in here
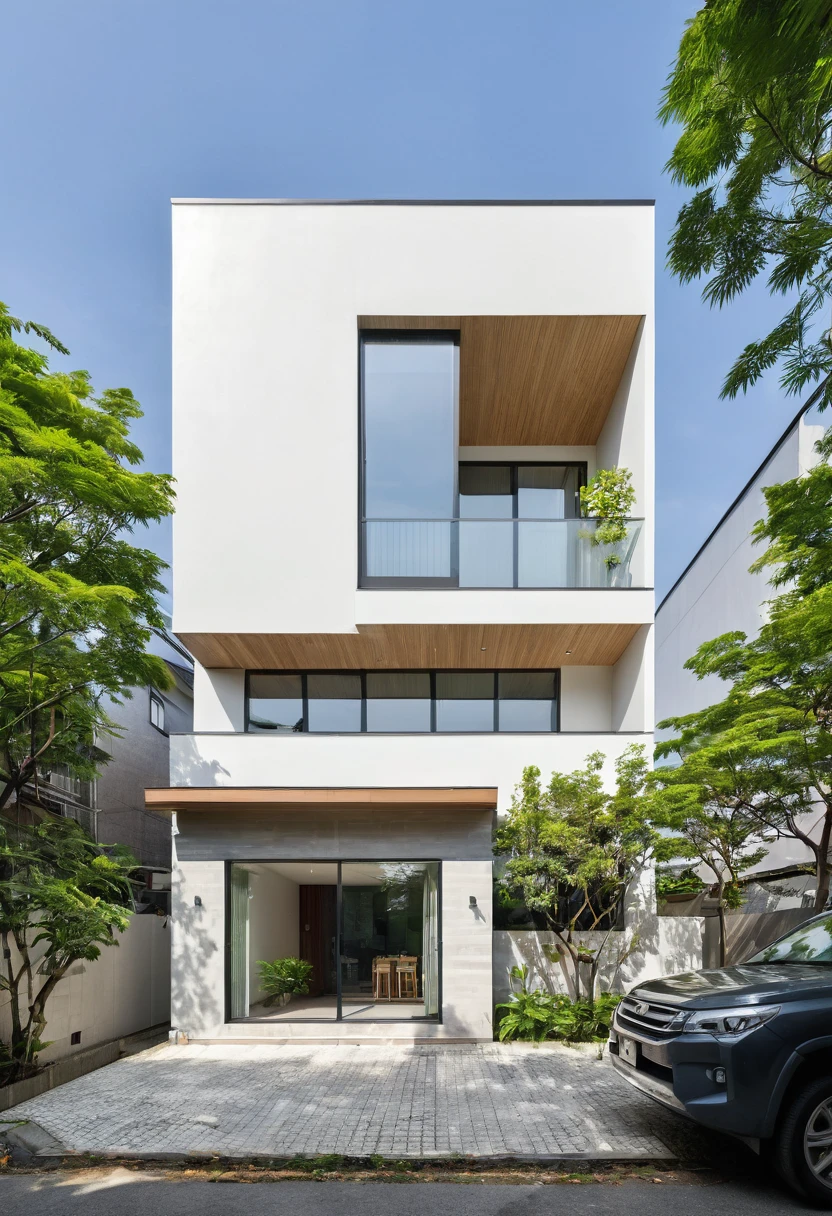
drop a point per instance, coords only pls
(536, 380)
(419, 647)
(183, 799)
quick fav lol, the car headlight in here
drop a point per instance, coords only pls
(728, 1021)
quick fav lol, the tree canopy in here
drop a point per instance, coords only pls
(77, 598)
(61, 899)
(572, 848)
(765, 749)
(752, 88)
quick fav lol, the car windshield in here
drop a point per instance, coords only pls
(810, 943)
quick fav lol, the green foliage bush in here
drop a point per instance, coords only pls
(284, 976)
(686, 883)
(533, 1016)
(608, 497)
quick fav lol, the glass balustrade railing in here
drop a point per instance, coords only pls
(502, 553)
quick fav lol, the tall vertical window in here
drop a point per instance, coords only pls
(409, 430)
(157, 711)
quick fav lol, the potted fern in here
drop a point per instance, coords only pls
(284, 978)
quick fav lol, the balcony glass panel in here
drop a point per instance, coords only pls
(275, 703)
(503, 553)
(398, 701)
(464, 701)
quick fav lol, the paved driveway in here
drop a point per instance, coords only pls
(241, 1101)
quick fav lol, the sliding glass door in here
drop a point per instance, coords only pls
(329, 941)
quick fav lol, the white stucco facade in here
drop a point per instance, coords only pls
(266, 306)
(718, 593)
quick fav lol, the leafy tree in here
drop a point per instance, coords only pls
(61, 900)
(764, 752)
(572, 850)
(752, 88)
(711, 799)
(77, 599)
(798, 527)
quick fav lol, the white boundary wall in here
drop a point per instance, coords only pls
(125, 990)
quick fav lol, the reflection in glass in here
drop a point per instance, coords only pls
(282, 910)
(275, 703)
(545, 551)
(548, 491)
(527, 701)
(398, 701)
(464, 701)
(486, 548)
(810, 943)
(409, 394)
(334, 702)
(390, 939)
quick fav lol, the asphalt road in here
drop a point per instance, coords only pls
(121, 1192)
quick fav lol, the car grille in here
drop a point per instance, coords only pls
(647, 1018)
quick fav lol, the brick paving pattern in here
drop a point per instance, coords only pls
(286, 1100)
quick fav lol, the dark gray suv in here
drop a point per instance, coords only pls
(745, 1050)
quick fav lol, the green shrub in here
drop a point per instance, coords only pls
(285, 976)
(686, 883)
(538, 1015)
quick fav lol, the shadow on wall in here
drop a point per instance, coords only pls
(189, 767)
(648, 947)
(196, 999)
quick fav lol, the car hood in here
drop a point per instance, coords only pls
(748, 984)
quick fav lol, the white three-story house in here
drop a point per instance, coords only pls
(383, 415)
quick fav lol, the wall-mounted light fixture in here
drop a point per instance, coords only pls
(472, 901)
(197, 901)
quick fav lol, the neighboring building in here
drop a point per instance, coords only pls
(112, 808)
(717, 593)
(383, 413)
(141, 757)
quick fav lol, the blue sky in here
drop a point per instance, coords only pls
(114, 106)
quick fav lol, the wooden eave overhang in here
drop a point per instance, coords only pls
(197, 799)
(420, 647)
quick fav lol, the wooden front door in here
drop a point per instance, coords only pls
(318, 906)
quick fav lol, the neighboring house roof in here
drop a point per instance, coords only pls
(748, 485)
(185, 674)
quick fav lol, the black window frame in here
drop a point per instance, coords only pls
(160, 700)
(435, 1018)
(496, 672)
(392, 337)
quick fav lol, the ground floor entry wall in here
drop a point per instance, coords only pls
(440, 876)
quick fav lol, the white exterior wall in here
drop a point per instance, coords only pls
(125, 990)
(265, 307)
(411, 761)
(718, 593)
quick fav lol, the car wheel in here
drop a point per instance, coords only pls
(804, 1142)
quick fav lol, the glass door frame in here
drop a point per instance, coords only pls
(435, 1019)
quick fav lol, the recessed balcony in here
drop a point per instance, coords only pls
(501, 553)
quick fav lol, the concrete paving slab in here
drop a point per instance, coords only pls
(243, 1101)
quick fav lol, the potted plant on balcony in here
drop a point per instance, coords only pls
(284, 978)
(608, 497)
